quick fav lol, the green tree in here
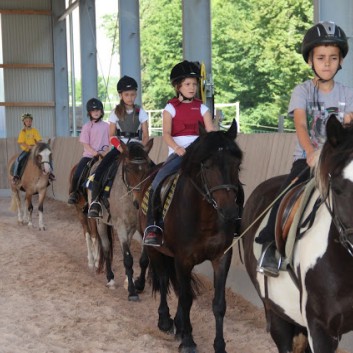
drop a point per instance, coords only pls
(256, 56)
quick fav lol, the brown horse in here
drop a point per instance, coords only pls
(199, 225)
(34, 180)
(122, 218)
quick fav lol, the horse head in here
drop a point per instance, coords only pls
(136, 167)
(212, 162)
(41, 155)
(334, 177)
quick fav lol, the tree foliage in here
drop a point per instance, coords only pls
(256, 56)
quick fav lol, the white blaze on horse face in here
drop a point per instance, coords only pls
(348, 172)
(46, 167)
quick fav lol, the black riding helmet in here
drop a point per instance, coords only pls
(183, 70)
(95, 104)
(126, 83)
(324, 33)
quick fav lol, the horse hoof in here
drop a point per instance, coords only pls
(183, 349)
(111, 284)
(42, 228)
(133, 298)
(167, 326)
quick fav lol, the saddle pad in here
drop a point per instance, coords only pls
(167, 196)
(257, 248)
(298, 216)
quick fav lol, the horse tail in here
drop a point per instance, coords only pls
(102, 255)
(13, 205)
(168, 275)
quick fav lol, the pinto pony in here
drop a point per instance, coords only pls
(199, 225)
(122, 218)
(34, 180)
(315, 295)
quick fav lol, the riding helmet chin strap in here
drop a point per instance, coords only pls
(321, 79)
(185, 98)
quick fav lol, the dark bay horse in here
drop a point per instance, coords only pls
(34, 180)
(199, 225)
(315, 296)
(122, 218)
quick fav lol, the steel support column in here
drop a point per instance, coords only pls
(129, 41)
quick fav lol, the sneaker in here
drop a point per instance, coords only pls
(153, 236)
(269, 264)
(95, 210)
(73, 198)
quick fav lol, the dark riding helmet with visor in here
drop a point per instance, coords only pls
(184, 70)
(126, 83)
(94, 104)
(324, 33)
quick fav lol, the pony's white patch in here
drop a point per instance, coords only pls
(309, 249)
(284, 293)
(45, 154)
(348, 172)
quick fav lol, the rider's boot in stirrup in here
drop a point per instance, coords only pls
(153, 234)
(269, 262)
(95, 208)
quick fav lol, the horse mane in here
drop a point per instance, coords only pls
(206, 146)
(137, 151)
(38, 148)
(336, 151)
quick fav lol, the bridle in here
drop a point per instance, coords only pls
(125, 171)
(345, 233)
(41, 164)
(207, 191)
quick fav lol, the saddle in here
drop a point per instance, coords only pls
(288, 207)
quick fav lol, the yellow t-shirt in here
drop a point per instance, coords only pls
(29, 137)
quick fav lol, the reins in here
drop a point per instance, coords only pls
(344, 232)
(294, 180)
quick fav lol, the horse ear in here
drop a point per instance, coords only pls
(334, 131)
(233, 130)
(149, 145)
(202, 130)
(49, 142)
(123, 145)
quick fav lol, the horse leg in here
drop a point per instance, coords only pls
(320, 341)
(105, 234)
(92, 250)
(129, 272)
(28, 210)
(282, 332)
(185, 301)
(40, 210)
(16, 205)
(141, 279)
(220, 268)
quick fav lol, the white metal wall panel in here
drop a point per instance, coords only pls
(27, 39)
(25, 4)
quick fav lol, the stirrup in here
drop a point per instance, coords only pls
(95, 210)
(269, 269)
(153, 236)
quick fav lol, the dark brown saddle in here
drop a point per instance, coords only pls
(285, 215)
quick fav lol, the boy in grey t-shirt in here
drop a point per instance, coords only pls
(324, 46)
